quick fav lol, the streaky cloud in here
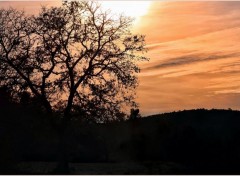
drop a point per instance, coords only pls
(192, 58)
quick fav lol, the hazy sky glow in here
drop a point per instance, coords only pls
(195, 58)
(128, 7)
(194, 51)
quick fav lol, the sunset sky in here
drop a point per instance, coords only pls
(194, 51)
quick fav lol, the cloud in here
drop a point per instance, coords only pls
(170, 21)
(190, 59)
(229, 91)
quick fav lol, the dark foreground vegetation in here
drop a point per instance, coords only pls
(185, 142)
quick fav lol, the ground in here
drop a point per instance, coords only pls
(102, 168)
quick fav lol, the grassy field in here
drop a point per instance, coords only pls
(103, 168)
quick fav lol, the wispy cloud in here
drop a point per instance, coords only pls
(190, 59)
(229, 91)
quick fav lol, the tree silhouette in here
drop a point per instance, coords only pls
(76, 55)
(134, 114)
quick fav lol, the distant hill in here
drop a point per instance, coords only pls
(205, 141)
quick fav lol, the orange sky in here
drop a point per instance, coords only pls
(195, 58)
(194, 52)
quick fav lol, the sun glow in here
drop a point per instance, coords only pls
(134, 9)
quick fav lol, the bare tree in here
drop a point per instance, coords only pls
(76, 55)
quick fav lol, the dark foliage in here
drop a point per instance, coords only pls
(197, 141)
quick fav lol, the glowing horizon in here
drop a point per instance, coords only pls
(135, 9)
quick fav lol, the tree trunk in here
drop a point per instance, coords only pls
(63, 163)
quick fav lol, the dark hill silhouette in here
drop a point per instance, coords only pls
(185, 142)
(207, 141)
